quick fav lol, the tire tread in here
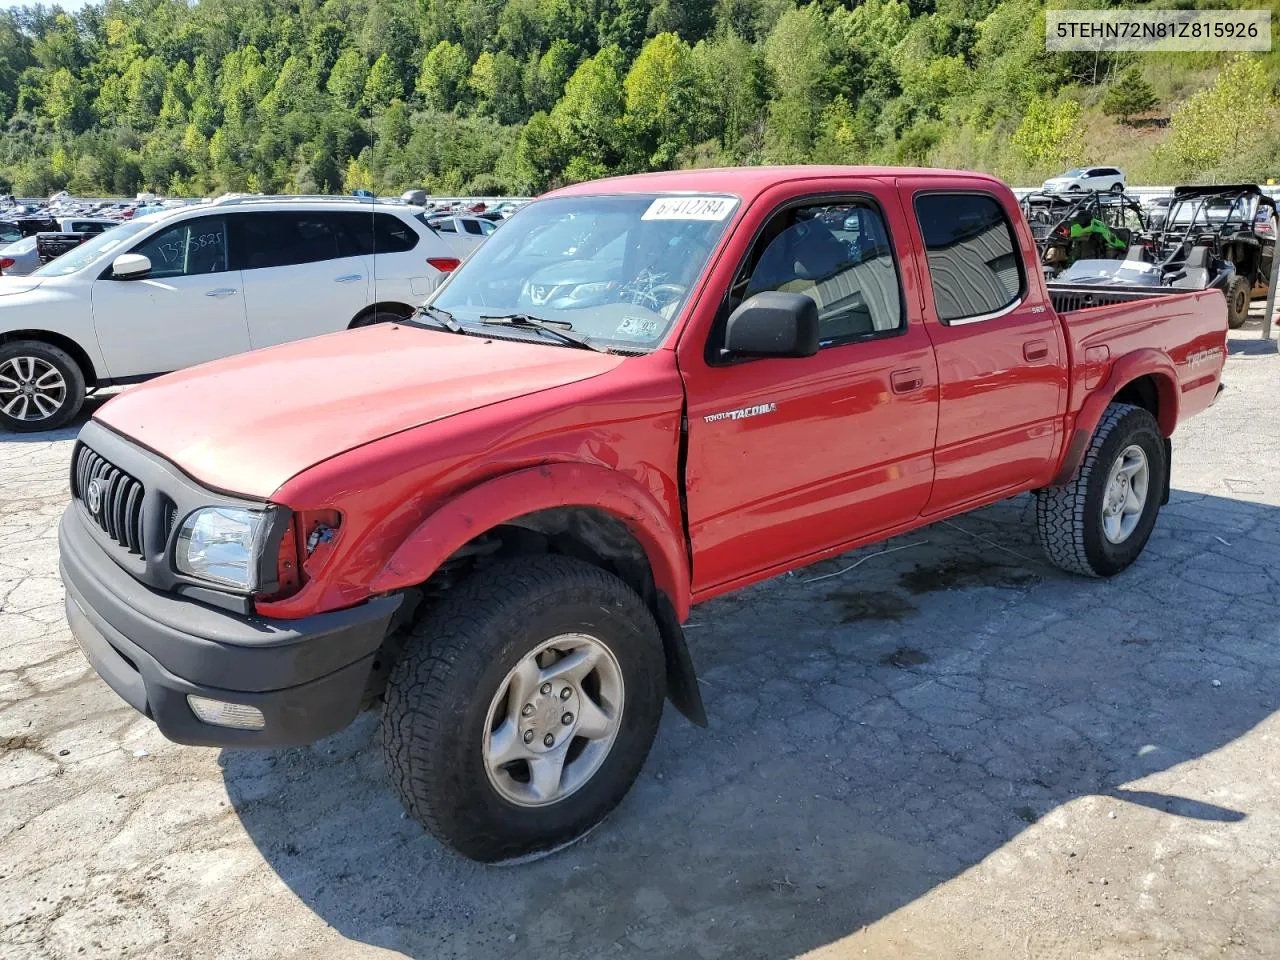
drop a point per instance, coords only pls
(1060, 511)
(445, 650)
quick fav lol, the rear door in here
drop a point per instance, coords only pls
(302, 277)
(188, 309)
(1002, 362)
(790, 457)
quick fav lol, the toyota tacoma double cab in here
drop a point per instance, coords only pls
(490, 520)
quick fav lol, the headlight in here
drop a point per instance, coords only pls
(584, 290)
(221, 544)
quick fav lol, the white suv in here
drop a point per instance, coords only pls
(1081, 179)
(179, 287)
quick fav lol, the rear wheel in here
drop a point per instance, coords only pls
(1098, 524)
(41, 387)
(523, 706)
(1238, 291)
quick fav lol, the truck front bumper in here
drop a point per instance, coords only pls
(306, 677)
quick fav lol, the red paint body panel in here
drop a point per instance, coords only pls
(423, 440)
(248, 423)
(626, 421)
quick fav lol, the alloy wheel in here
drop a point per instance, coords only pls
(31, 389)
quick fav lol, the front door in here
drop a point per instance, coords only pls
(788, 457)
(187, 310)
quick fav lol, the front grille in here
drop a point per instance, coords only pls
(112, 498)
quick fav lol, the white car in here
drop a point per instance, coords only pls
(19, 258)
(462, 225)
(1082, 179)
(180, 287)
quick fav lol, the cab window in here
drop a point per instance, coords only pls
(838, 255)
(974, 266)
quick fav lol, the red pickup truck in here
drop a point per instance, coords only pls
(640, 393)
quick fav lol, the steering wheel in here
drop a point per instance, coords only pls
(647, 289)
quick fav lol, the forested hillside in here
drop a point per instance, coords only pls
(514, 96)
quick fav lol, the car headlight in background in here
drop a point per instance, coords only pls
(221, 545)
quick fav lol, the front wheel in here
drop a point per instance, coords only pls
(1117, 188)
(524, 706)
(1238, 291)
(380, 316)
(41, 387)
(1098, 524)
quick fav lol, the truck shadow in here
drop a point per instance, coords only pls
(874, 733)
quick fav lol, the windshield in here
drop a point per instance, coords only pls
(1075, 172)
(25, 245)
(1213, 210)
(618, 269)
(1112, 273)
(91, 250)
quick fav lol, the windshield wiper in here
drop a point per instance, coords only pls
(443, 317)
(558, 328)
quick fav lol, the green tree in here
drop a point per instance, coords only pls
(347, 79)
(498, 85)
(385, 83)
(65, 101)
(443, 79)
(691, 20)
(1129, 95)
(622, 24)
(1220, 121)
(800, 57)
(1051, 135)
(660, 91)
(324, 46)
(541, 154)
(589, 116)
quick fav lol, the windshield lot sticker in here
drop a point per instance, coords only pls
(743, 413)
(639, 328)
(690, 208)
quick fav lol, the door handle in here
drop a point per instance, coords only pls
(1034, 350)
(349, 278)
(904, 381)
(222, 292)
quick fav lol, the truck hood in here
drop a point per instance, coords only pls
(248, 423)
(12, 285)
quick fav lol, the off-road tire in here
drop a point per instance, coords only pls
(456, 657)
(1238, 291)
(1069, 518)
(72, 376)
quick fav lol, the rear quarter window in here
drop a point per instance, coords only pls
(974, 266)
(366, 233)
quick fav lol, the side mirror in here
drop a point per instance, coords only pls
(773, 324)
(130, 266)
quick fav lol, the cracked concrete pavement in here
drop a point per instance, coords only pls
(951, 751)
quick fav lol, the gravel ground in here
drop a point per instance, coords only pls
(952, 751)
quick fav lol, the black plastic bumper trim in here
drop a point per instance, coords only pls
(306, 676)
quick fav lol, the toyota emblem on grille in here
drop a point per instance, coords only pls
(93, 496)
